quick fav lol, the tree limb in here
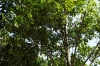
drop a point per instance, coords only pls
(91, 53)
(95, 56)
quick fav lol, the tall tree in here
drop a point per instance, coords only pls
(59, 29)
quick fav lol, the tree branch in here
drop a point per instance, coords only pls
(91, 53)
(78, 36)
(95, 56)
(50, 56)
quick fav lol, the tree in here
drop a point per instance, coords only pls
(52, 28)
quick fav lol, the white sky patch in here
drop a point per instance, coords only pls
(93, 42)
(42, 56)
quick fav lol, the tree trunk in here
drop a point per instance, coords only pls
(67, 47)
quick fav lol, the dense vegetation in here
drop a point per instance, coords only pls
(59, 30)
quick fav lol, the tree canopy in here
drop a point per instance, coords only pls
(56, 29)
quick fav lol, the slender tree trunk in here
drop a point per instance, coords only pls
(68, 55)
(67, 47)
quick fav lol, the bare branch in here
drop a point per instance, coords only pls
(91, 53)
(95, 56)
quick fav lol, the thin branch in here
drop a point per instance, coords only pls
(78, 36)
(50, 56)
(91, 53)
(95, 56)
(79, 31)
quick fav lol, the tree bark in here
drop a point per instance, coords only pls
(67, 47)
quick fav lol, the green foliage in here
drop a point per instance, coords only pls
(31, 27)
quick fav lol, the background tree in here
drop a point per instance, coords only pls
(59, 29)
